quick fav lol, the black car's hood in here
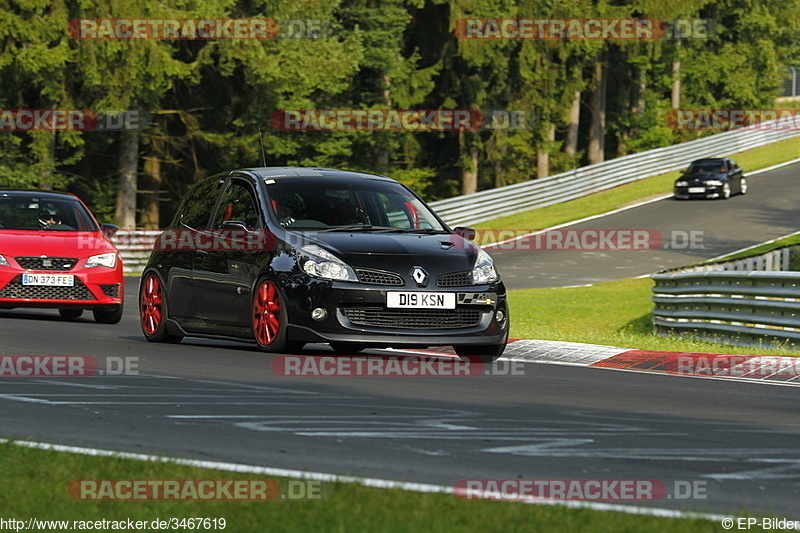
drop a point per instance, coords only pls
(702, 176)
(399, 251)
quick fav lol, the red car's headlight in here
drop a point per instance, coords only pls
(106, 260)
(3, 261)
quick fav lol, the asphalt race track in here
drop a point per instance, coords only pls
(768, 210)
(218, 400)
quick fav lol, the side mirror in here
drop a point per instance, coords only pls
(109, 230)
(233, 225)
(466, 233)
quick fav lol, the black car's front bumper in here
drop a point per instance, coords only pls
(358, 313)
(709, 191)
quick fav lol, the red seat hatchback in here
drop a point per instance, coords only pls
(54, 254)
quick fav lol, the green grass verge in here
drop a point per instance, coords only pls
(605, 201)
(34, 485)
(763, 248)
(614, 313)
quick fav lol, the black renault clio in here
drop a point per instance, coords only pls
(289, 256)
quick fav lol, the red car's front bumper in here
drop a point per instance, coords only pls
(93, 287)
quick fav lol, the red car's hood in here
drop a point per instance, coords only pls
(77, 244)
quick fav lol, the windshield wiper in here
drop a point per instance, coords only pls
(430, 231)
(361, 227)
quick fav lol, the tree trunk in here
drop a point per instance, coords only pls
(469, 171)
(152, 192)
(49, 163)
(543, 153)
(384, 155)
(571, 144)
(676, 84)
(126, 180)
(598, 127)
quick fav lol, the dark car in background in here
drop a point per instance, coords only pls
(54, 254)
(711, 178)
(289, 256)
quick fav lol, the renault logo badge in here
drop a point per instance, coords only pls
(420, 276)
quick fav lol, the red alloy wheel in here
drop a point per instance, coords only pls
(266, 313)
(151, 305)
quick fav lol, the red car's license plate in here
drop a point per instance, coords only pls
(49, 280)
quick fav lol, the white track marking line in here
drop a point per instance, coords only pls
(366, 481)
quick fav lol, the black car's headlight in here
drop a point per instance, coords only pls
(483, 272)
(714, 183)
(681, 183)
(320, 263)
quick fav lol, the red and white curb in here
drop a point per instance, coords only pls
(753, 368)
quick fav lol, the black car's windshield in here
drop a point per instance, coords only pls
(38, 213)
(707, 166)
(344, 204)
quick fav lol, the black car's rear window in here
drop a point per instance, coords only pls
(38, 213)
(328, 203)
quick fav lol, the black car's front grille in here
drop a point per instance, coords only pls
(413, 318)
(111, 290)
(455, 279)
(16, 290)
(379, 277)
(46, 263)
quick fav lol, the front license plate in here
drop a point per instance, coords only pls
(49, 280)
(421, 300)
(696, 190)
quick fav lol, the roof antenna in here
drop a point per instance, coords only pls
(261, 144)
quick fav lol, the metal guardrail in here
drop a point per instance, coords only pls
(485, 205)
(134, 246)
(745, 301)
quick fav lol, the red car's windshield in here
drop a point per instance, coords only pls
(39, 213)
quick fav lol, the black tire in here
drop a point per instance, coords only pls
(70, 314)
(110, 315)
(153, 312)
(269, 319)
(347, 348)
(726, 190)
(486, 353)
(743, 186)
